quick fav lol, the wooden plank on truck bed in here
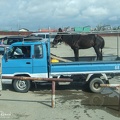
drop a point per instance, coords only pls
(59, 58)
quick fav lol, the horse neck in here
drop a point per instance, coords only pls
(67, 39)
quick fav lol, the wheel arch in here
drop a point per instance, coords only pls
(91, 76)
(23, 86)
(25, 75)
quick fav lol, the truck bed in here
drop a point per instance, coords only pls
(108, 65)
(93, 58)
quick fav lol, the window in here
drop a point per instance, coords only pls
(38, 51)
(19, 52)
(12, 40)
(41, 35)
(9, 41)
(47, 35)
(5, 41)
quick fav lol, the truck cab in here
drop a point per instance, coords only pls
(26, 59)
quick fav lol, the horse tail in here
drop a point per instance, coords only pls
(101, 40)
(102, 46)
(101, 43)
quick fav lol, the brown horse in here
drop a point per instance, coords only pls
(78, 41)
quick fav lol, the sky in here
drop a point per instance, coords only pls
(37, 14)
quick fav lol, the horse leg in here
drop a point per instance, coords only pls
(76, 53)
(98, 52)
(101, 54)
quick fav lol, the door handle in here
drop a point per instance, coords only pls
(27, 62)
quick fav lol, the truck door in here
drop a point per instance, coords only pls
(19, 60)
(40, 65)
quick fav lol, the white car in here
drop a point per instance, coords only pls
(44, 35)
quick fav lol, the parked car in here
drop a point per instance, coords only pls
(44, 35)
(8, 40)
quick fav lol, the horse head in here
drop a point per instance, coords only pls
(58, 38)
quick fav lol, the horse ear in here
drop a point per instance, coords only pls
(59, 30)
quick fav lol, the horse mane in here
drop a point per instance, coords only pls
(65, 33)
(71, 40)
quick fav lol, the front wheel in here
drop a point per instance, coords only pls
(21, 85)
(94, 85)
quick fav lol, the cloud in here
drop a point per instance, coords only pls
(33, 14)
(95, 11)
(114, 18)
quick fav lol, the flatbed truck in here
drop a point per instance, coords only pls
(38, 64)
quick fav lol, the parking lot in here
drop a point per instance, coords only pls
(73, 102)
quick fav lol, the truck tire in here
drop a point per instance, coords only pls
(94, 85)
(22, 86)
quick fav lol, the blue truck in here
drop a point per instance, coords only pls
(37, 63)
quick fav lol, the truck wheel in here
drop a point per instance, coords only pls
(21, 85)
(95, 85)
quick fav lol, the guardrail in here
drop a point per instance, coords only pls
(53, 80)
